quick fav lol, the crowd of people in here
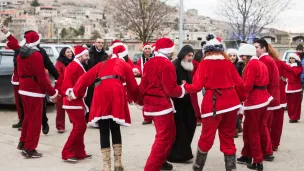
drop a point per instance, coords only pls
(93, 86)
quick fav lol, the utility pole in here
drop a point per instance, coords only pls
(181, 25)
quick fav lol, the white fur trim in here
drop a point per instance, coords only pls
(55, 95)
(274, 108)
(265, 54)
(123, 54)
(118, 121)
(117, 44)
(31, 94)
(254, 57)
(161, 55)
(13, 82)
(159, 113)
(22, 43)
(78, 62)
(294, 65)
(166, 50)
(259, 105)
(147, 46)
(283, 105)
(82, 53)
(71, 107)
(291, 91)
(213, 42)
(215, 57)
(221, 111)
(183, 91)
(34, 43)
(8, 34)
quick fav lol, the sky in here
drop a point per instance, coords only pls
(292, 19)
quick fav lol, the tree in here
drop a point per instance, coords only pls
(95, 35)
(81, 31)
(35, 3)
(143, 17)
(249, 17)
(63, 33)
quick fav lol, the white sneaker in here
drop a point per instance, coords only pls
(94, 125)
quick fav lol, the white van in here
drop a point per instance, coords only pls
(285, 56)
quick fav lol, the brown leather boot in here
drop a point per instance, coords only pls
(117, 148)
(106, 156)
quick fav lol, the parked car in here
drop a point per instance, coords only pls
(136, 58)
(6, 72)
(7, 66)
(285, 56)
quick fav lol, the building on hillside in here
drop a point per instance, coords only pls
(46, 11)
(11, 13)
(23, 23)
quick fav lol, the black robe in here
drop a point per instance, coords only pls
(185, 120)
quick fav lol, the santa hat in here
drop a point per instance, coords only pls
(164, 46)
(118, 49)
(295, 56)
(232, 51)
(79, 51)
(146, 45)
(213, 44)
(247, 50)
(153, 46)
(32, 38)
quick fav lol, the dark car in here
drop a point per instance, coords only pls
(6, 72)
(136, 58)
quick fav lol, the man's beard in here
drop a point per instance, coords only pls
(187, 65)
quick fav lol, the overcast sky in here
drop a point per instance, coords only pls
(290, 20)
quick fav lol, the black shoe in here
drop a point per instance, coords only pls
(167, 166)
(255, 166)
(275, 149)
(20, 129)
(20, 146)
(269, 158)
(31, 153)
(293, 121)
(146, 122)
(71, 160)
(17, 125)
(45, 128)
(244, 160)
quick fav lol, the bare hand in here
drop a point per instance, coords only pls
(54, 100)
(184, 82)
(3, 29)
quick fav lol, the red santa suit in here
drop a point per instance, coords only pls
(158, 84)
(278, 116)
(294, 90)
(76, 108)
(257, 99)
(14, 45)
(110, 98)
(274, 90)
(194, 98)
(33, 85)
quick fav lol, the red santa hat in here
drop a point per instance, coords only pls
(32, 38)
(295, 56)
(118, 49)
(79, 51)
(164, 46)
(153, 46)
(146, 45)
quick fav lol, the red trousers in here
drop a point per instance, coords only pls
(266, 143)
(18, 102)
(294, 101)
(225, 124)
(252, 130)
(60, 114)
(74, 147)
(32, 121)
(277, 127)
(147, 118)
(164, 139)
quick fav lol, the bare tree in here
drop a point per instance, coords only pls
(143, 17)
(249, 17)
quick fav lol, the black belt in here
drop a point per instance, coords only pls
(99, 80)
(31, 76)
(217, 91)
(259, 87)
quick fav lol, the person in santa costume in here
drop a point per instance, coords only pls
(273, 88)
(278, 116)
(33, 84)
(158, 85)
(224, 92)
(66, 56)
(146, 56)
(293, 88)
(74, 148)
(256, 79)
(109, 106)
(185, 116)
